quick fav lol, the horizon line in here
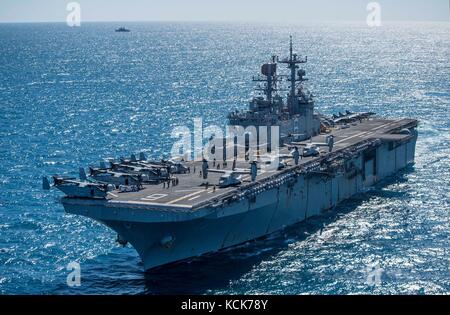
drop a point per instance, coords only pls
(221, 21)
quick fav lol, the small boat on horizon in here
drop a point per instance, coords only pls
(122, 29)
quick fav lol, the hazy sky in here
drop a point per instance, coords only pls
(222, 10)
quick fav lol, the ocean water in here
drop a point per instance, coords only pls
(71, 96)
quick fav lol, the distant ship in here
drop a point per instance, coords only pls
(123, 30)
(169, 213)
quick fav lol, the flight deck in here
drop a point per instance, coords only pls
(191, 190)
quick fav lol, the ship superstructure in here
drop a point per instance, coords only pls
(294, 114)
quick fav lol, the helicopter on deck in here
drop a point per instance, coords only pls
(75, 188)
(230, 178)
(112, 177)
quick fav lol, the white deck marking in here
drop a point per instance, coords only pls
(119, 203)
(114, 195)
(154, 197)
(368, 131)
(345, 139)
(186, 190)
(390, 123)
(195, 197)
(184, 197)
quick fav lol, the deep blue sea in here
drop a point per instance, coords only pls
(72, 96)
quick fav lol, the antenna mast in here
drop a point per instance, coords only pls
(292, 62)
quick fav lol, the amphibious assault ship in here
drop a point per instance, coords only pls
(171, 210)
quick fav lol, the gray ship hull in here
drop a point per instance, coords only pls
(162, 237)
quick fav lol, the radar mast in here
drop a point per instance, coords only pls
(293, 64)
(269, 78)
